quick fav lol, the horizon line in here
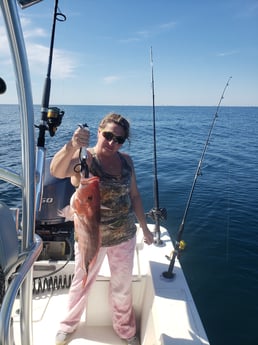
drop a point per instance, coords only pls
(135, 105)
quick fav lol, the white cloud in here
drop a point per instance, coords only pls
(227, 53)
(4, 47)
(154, 31)
(168, 26)
(144, 34)
(63, 62)
(30, 31)
(111, 79)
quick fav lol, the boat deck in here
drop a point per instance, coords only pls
(45, 326)
(165, 311)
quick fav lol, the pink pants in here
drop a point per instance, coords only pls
(120, 258)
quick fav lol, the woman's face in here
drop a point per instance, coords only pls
(111, 138)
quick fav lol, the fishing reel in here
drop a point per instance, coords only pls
(54, 119)
(157, 213)
(179, 247)
(2, 86)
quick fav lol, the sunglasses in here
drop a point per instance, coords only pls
(110, 136)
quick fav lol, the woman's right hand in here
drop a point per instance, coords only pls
(80, 138)
(64, 161)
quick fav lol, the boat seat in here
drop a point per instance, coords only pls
(9, 245)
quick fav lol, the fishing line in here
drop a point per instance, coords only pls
(228, 205)
(156, 213)
(228, 219)
(180, 245)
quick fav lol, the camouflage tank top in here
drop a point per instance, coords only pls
(117, 222)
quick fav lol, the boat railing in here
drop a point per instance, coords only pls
(30, 243)
(24, 265)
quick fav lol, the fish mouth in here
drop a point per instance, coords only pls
(88, 181)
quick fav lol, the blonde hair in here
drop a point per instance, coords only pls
(117, 119)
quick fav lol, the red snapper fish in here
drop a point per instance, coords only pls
(85, 204)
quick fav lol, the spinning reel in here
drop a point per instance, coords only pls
(54, 119)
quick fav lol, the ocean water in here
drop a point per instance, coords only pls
(220, 261)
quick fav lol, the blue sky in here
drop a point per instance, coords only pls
(102, 52)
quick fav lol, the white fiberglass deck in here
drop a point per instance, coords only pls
(165, 311)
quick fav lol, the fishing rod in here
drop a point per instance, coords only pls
(180, 244)
(156, 213)
(51, 118)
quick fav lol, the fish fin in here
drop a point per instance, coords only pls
(66, 212)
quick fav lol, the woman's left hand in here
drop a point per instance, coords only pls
(148, 236)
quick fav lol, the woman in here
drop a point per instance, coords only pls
(120, 200)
